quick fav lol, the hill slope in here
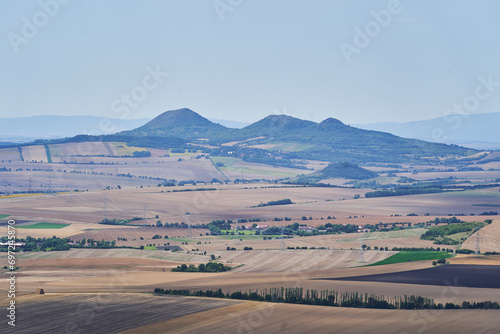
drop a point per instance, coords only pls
(330, 140)
(343, 170)
(183, 123)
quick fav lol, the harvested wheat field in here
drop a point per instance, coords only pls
(35, 153)
(486, 239)
(283, 318)
(476, 259)
(299, 261)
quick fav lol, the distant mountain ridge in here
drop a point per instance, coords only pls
(278, 140)
(329, 140)
(24, 129)
(183, 123)
(480, 131)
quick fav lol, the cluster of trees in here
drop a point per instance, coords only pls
(197, 189)
(489, 213)
(440, 233)
(278, 202)
(464, 251)
(331, 298)
(403, 191)
(210, 267)
(141, 154)
(440, 261)
(91, 243)
(115, 221)
(40, 244)
(215, 226)
(59, 244)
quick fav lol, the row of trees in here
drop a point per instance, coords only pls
(278, 202)
(210, 267)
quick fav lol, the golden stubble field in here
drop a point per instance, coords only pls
(486, 239)
(239, 201)
(129, 270)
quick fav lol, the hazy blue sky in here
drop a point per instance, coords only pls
(245, 59)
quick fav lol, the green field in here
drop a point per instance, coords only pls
(227, 161)
(386, 179)
(462, 236)
(150, 247)
(55, 150)
(4, 216)
(290, 147)
(44, 226)
(413, 256)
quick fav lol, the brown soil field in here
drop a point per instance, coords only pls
(138, 313)
(105, 313)
(475, 276)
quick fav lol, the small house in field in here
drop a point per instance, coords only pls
(262, 227)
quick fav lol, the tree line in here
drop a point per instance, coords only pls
(296, 295)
